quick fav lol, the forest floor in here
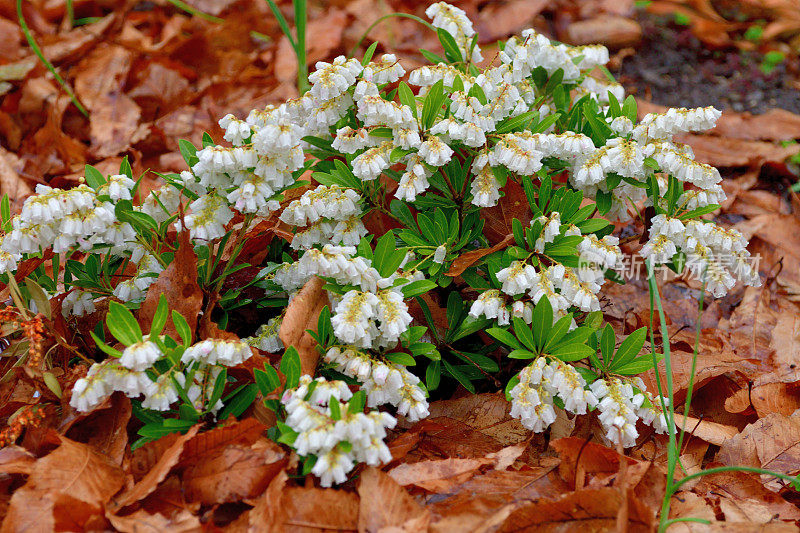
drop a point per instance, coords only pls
(150, 74)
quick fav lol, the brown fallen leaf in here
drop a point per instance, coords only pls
(707, 430)
(729, 152)
(499, 20)
(233, 473)
(486, 413)
(241, 432)
(106, 429)
(384, 504)
(312, 509)
(178, 283)
(16, 460)
(437, 475)
(114, 116)
(156, 474)
(584, 510)
(466, 260)
(11, 183)
(498, 218)
(301, 315)
(73, 469)
(771, 442)
(743, 498)
(612, 31)
(267, 511)
(140, 521)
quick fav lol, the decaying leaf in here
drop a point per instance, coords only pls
(301, 315)
(72, 469)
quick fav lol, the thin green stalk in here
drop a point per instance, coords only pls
(183, 6)
(300, 20)
(390, 15)
(298, 43)
(70, 14)
(38, 51)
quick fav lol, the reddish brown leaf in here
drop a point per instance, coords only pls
(241, 432)
(466, 260)
(302, 314)
(114, 116)
(437, 475)
(267, 510)
(498, 218)
(72, 469)
(140, 521)
(178, 283)
(156, 474)
(233, 473)
(312, 509)
(385, 504)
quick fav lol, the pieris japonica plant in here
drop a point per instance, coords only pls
(428, 153)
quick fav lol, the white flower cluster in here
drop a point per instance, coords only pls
(539, 383)
(128, 375)
(620, 406)
(564, 287)
(369, 319)
(455, 22)
(383, 381)
(338, 442)
(709, 250)
(65, 220)
(266, 337)
(332, 215)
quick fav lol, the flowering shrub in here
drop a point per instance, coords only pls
(431, 162)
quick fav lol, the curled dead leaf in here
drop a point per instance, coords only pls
(302, 314)
(178, 283)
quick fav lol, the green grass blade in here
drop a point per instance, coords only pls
(282, 23)
(38, 51)
(300, 19)
(385, 17)
(183, 6)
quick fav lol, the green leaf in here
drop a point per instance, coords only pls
(572, 352)
(451, 49)
(433, 102)
(542, 321)
(459, 376)
(357, 402)
(336, 408)
(607, 344)
(182, 327)
(122, 324)
(637, 366)
(267, 379)
(239, 403)
(407, 97)
(189, 152)
(522, 354)
(160, 316)
(505, 337)
(629, 348)
(219, 388)
(290, 367)
(401, 358)
(433, 375)
(524, 333)
(94, 178)
(560, 329)
(629, 108)
(368, 54)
